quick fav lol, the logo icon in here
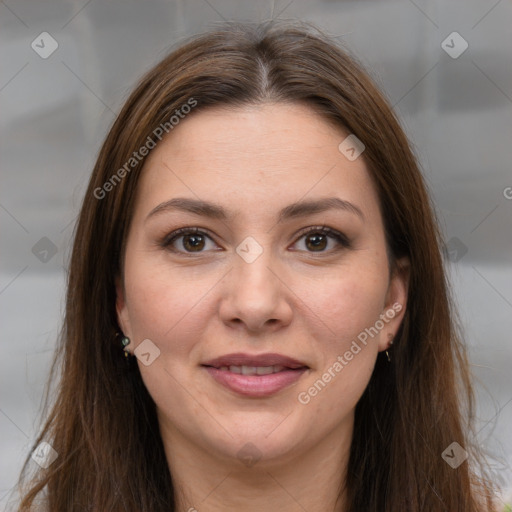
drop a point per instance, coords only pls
(351, 147)
(146, 352)
(454, 45)
(44, 250)
(44, 455)
(44, 45)
(249, 250)
(454, 455)
(249, 454)
(455, 249)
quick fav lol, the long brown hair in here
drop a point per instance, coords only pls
(103, 423)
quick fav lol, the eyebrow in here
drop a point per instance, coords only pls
(292, 211)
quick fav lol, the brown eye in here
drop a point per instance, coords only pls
(187, 240)
(318, 239)
(193, 242)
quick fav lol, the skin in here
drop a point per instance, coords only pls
(294, 299)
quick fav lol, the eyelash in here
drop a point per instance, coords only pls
(340, 238)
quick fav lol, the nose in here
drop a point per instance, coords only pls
(257, 298)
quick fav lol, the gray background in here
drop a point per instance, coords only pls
(56, 111)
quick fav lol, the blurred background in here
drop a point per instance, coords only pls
(68, 66)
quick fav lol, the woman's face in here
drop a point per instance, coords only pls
(296, 315)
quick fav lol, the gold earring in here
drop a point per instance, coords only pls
(125, 341)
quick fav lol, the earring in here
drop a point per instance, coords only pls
(125, 341)
(390, 338)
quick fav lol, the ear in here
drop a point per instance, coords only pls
(395, 302)
(122, 311)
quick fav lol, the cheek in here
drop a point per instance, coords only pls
(348, 308)
(346, 302)
(162, 304)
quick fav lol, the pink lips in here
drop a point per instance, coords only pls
(255, 385)
(240, 359)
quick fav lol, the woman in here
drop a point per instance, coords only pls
(257, 240)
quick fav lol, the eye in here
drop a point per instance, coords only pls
(316, 239)
(195, 240)
(192, 240)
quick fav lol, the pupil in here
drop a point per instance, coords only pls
(196, 241)
(318, 241)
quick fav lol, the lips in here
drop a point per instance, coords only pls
(255, 361)
(253, 370)
(255, 376)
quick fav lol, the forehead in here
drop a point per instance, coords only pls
(254, 159)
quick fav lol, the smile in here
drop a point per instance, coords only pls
(255, 381)
(253, 370)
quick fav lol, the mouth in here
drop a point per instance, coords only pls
(241, 361)
(254, 370)
(255, 376)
